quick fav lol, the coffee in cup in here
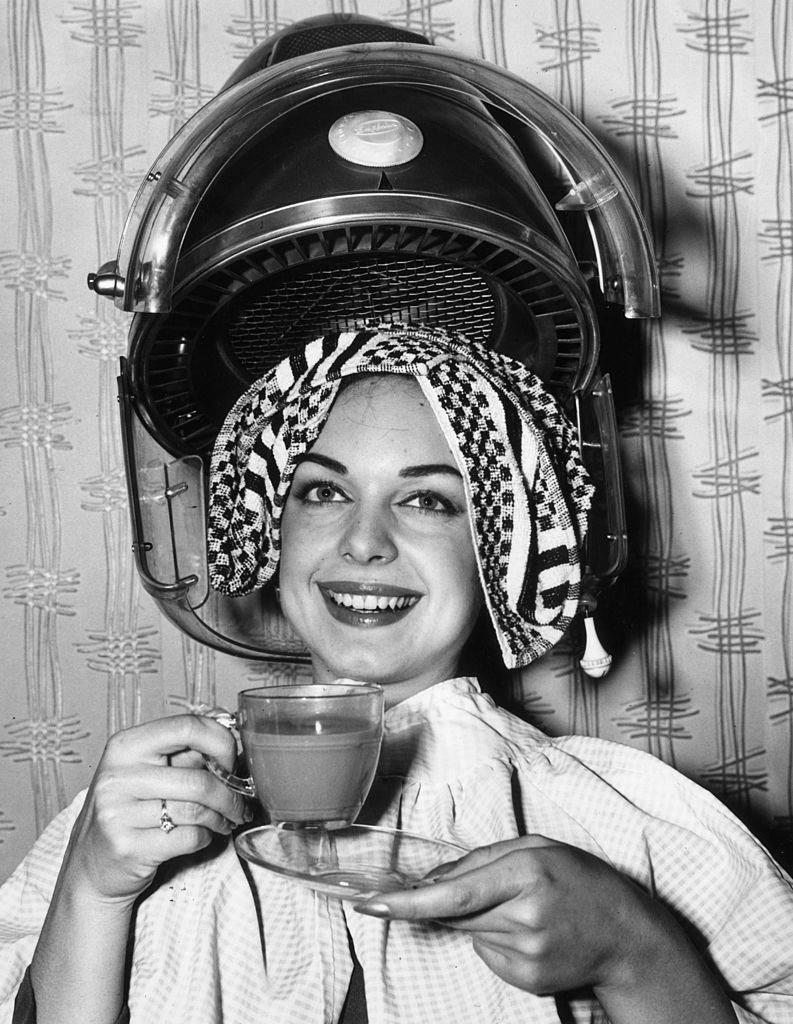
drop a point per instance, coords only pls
(311, 749)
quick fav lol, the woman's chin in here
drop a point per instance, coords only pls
(361, 669)
(399, 680)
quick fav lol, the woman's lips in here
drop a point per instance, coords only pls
(367, 604)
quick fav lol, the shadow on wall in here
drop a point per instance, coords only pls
(642, 358)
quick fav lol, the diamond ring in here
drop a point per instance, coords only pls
(167, 824)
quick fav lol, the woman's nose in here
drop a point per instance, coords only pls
(368, 537)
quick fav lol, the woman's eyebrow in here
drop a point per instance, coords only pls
(323, 460)
(429, 469)
(422, 469)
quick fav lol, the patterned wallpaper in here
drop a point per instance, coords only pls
(693, 98)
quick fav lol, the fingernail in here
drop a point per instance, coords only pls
(373, 909)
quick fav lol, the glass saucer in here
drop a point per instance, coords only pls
(350, 863)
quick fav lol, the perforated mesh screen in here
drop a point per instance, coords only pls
(272, 319)
(240, 318)
(295, 44)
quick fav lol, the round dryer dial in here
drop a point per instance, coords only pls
(375, 138)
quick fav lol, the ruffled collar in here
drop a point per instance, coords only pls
(426, 702)
(441, 734)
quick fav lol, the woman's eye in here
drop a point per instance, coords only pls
(429, 501)
(321, 493)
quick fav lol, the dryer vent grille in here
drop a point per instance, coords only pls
(239, 319)
(295, 44)
(336, 295)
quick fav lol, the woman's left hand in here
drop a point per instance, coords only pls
(543, 916)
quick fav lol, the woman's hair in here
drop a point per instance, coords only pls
(527, 490)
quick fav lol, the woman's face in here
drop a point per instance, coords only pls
(378, 573)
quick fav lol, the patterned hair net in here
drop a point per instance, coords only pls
(527, 490)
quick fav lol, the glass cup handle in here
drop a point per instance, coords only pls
(228, 720)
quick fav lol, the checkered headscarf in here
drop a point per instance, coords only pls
(527, 489)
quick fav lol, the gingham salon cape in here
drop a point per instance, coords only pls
(475, 775)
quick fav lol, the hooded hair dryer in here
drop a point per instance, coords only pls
(352, 170)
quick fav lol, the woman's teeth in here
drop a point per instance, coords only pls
(370, 602)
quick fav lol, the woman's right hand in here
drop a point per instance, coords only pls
(117, 843)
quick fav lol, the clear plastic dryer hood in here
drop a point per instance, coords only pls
(251, 234)
(143, 278)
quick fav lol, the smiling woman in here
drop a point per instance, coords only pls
(400, 480)
(480, 422)
(378, 572)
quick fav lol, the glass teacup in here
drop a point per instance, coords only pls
(311, 749)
